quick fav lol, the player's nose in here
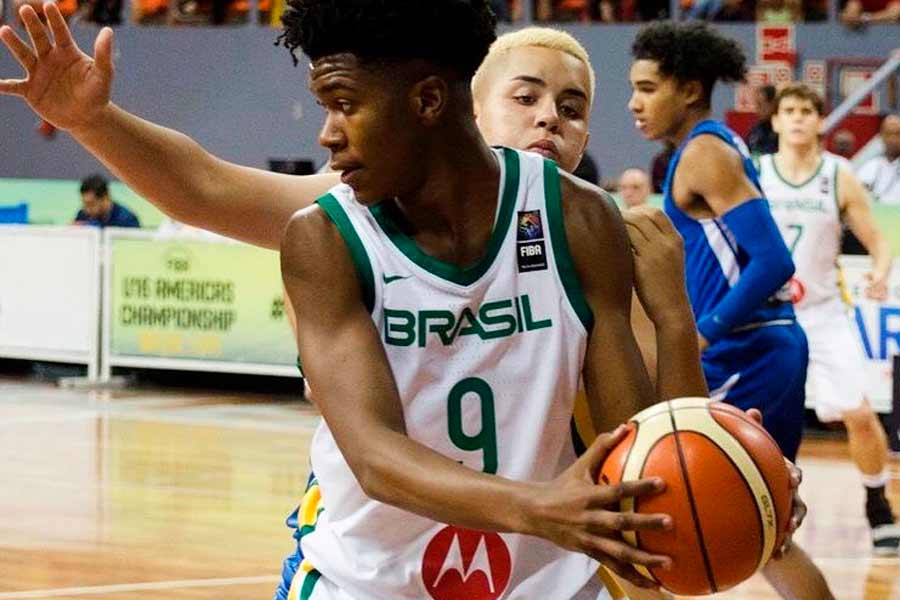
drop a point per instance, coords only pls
(548, 115)
(331, 136)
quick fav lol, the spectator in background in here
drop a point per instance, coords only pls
(881, 174)
(98, 209)
(718, 10)
(563, 10)
(779, 11)
(815, 10)
(649, 10)
(104, 12)
(634, 187)
(607, 11)
(843, 142)
(762, 139)
(659, 167)
(858, 13)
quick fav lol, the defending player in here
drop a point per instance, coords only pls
(811, 194)
(736, 264)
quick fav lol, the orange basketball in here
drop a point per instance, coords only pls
(727, 491)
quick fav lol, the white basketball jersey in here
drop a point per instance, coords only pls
(487, 361)
(810, 222)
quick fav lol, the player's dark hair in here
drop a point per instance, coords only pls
(448, 33)
(769, 92)
(802, 91)
(691, 51)
(95, 183)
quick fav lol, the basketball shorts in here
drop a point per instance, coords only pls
(835, 381)
(301, 521)
(310, 585)
(763, 368)
(300, 581)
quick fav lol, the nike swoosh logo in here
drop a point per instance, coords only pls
(392, 278)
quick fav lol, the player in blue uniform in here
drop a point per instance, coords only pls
(736, 263)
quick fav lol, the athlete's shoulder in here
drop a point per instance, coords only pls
(584, 203)
(593, 224)
(713, 129)
(308, 229)
(709, 156)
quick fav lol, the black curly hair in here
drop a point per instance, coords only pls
(691, 51)
(449, 33)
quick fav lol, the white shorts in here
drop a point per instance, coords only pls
(310, 586)
(835, 380)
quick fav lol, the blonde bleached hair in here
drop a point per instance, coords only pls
(540, 37)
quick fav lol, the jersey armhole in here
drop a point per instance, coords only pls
(562, 254)
(358, 253)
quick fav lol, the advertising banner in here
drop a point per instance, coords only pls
(878, 324)
(197, 300)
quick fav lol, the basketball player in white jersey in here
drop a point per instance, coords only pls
(811, 193)
(449, 294)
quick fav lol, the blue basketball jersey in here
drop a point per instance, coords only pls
(713, 258)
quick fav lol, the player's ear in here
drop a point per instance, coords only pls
(693, 92)
(429, 98)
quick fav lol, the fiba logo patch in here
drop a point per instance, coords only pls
(462, 563)
(530, 226)
(530, 248)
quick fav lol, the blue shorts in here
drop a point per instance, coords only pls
(763, 368)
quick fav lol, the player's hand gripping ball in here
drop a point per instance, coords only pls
(727, 491)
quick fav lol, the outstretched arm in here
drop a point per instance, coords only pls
(355, 390)
(713, 170)
(854, 203)
(71, 90)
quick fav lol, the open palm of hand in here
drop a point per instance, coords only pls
(62, 84)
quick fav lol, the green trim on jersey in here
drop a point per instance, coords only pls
(797, 186)
(358, 254)
(565, 265)
(450, 272)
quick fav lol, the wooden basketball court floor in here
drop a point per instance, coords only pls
(153, 494)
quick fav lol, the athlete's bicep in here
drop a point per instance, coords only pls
(713, 170)
(342, 355)
(615, 378)
(254, 205)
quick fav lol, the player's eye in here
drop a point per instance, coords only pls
(570, 112)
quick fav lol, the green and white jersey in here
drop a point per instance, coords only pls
(810, 222)
(487, 361)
